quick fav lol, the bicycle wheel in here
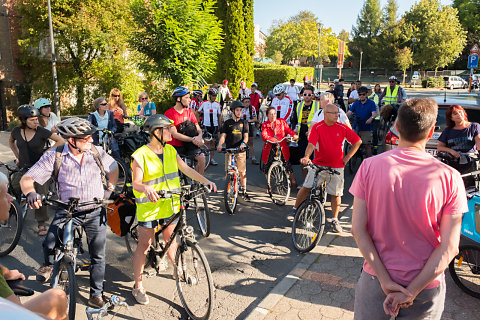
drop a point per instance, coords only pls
(465, 270)
(122, 177)
(278, 183)
(11, 229)
(308, 225)
(200, 207)
(65, 280)
(355, 161)
(131, 238)
(194, 281)
(230, 193)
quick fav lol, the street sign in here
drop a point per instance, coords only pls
(475, 49)
(415, 73)
(472, 61)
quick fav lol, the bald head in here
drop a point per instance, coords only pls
(330, 108)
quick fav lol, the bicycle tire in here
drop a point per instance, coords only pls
(11, 229)
(355, 161)
(202, 212)
(230, 193)
(66, 281)
(194, 281)
(465, 270)
(122, 177)
(131, 238)
(278, 183)
(208, 158)
(309, 218)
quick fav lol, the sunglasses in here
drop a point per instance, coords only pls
(278, 95)
(392, 81)
(308, 94)
(141, 99)
(103, 104)
(362, 94)
(115, 95)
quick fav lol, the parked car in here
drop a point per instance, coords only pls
(454, 82)
(470, 106)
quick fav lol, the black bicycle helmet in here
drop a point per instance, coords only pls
(180, 92)
(362, 89)
(236, 104)
(156, 121)
(26, 111)
(75, 127)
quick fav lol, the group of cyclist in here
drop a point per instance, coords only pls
(85, 171)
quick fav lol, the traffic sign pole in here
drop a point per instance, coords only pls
(472, 63)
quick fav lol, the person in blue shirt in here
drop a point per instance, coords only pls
(365, 112)
(145, 108)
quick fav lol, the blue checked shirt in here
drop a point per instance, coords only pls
(75, 179)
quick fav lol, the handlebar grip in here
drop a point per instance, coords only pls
(19, 288)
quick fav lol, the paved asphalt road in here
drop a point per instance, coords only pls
(248, 254)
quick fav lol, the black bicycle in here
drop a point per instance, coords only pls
(309, 222)
(65, 265)
(278, 177)
(193, 276)
(11, 229)
(360, 155)
(232, 180)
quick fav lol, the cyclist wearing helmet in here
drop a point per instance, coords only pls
(27, 142)
(196, 100)
(80, 175)
(234, 134)
(182, 118)
(211, 111)
(249, 114)
(282, 103)
(393, 93)
(365, 112)
(155, 167)
(47, 119)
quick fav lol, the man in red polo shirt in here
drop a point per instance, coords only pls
(327, 140)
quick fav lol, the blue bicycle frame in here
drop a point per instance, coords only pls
(471, 221)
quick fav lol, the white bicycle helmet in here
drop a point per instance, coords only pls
(392, 78)
(213, 91)
(75, 127)
(279, 88)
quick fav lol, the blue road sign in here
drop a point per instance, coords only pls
(472, 61)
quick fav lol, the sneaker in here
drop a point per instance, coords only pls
(336, 227)
(44, 273)
(254, 161)
(246, 196)
(96, 302)
(213, 162)
(140, 295)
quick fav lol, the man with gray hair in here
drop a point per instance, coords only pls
(328, 98)
(407, 212)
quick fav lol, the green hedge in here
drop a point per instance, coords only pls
(268, 75)
(433, 82)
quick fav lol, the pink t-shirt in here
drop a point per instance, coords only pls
(406, 192)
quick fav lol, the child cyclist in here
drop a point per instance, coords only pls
(155, 167)
(234, 134)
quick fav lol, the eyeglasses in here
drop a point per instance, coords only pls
(103, 104)
(332, 86)
(115, 95)
(308, 94)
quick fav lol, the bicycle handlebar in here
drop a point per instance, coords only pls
(234, 150)
(289, 138)
(186, 189)
(321, 168)
(72, 205)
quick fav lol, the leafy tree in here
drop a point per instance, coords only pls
(344, 35)
(403, 59)
(469, 16)
(440, 36)
(87, 34)
(390, 13)
(368, 27)
(177, 39)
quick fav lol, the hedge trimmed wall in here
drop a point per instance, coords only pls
(268, 75)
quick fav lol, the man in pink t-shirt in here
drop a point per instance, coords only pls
(327, 139)
(407, 213)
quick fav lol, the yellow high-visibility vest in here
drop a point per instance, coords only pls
(312, 113)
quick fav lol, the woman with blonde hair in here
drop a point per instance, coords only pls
(145, 108)
(116, 104)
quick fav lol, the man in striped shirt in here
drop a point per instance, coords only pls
(79, 176)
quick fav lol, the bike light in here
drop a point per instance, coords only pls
(391, 138)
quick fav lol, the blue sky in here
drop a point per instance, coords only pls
(337, 14)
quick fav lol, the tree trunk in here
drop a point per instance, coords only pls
(404, 75)
(79, 108)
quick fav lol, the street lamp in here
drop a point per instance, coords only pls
(411, 68)
(319, 80)
(56, 104)
(360, 69)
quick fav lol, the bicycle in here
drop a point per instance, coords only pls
(465, 267)
(65, 265)
(230, 193)
(357, 158)
(124, 174)
(278, 178)
(388, 115)
(11, 229)
(191, 269)
(309, 222)
(103, 311)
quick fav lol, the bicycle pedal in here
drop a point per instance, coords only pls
(84, 267)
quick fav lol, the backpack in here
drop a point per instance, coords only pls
(59, 159)
(121, 215)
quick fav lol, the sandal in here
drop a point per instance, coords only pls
(42, 230)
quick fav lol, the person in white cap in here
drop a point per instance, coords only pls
(393, 93)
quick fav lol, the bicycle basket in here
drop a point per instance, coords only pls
(121, 215)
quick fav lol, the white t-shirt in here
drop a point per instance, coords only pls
(342, 117)
(244, 92)
(354, 94)
(52, 121)
(285, 106)
(224, 91)
(210, 108)
(293, 92)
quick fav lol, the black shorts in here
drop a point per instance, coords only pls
(251, 129)
(213, 131)
(187, 150)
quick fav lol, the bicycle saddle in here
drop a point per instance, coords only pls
(19, 288)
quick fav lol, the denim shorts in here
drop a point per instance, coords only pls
(157, 222)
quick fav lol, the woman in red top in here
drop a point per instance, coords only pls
(274, 129)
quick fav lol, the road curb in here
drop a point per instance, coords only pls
(279, 291)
